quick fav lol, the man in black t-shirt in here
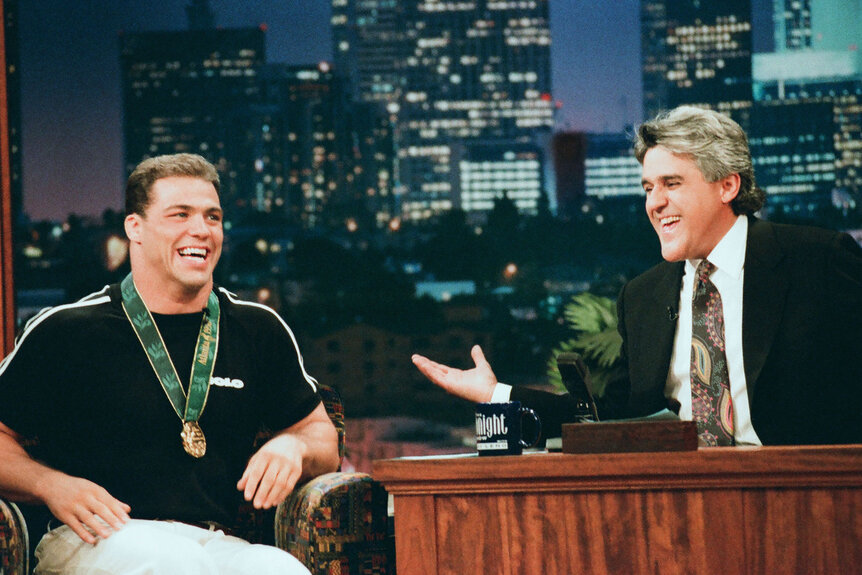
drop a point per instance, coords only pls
(145, 399)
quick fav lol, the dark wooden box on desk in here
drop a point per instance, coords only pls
(753, 510)
(629, 436)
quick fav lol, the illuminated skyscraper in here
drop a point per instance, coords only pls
(807, 122)
(370, 40)
(819, 25)
(492, 171)
(697, 53)
(654, 61)
(794, 155)
(792, 20)
(597, 174)
(611, 167)
(188, 91)
(454, 75)
(318, 156)
(303, 142)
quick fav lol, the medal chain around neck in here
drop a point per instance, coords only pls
(188, 407)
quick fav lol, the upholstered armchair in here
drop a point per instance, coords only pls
(14, 541)
(336, 523)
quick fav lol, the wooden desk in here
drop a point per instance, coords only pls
(767, 510)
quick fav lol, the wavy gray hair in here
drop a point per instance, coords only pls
(717, 144)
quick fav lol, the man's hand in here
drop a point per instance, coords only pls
(88, 509)
(307, 448)
(476, 385)
(85, 507)
(273, 471)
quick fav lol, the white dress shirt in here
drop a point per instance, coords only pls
(728, 257)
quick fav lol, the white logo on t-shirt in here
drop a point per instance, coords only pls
(227, 382)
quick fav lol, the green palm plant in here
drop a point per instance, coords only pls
(594, 320)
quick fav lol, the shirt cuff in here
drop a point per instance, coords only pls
(501, 394)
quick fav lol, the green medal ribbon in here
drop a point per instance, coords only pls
(188, 408)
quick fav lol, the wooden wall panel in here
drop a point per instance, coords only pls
(7, 292)
(803, 531)
(415, 522)
(561, 533)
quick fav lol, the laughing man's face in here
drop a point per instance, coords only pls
(689, 214)
(181, 234)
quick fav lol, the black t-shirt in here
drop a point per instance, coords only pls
(80, 382)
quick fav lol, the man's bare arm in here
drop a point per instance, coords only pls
(304, 450)
(85, 507)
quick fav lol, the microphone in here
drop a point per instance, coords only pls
(672, 314)
(576, 379)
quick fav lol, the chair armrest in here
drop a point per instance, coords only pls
(14, 542)
(338, 523)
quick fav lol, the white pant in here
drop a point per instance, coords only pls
(145, 547)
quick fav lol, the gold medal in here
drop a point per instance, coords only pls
(188, 407)
(194, 441)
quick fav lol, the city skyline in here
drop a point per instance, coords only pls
(72, 148)
(71, 91)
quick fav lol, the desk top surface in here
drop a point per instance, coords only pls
(794, 466)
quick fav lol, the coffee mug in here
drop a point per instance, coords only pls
(499, 429)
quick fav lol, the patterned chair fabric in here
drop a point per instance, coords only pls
(335, 410)
(337, 524)
(13, 541)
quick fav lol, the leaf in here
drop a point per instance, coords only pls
(590, 313)
(594, 320)
(603, 347)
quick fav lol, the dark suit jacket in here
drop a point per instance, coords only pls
(802, 339)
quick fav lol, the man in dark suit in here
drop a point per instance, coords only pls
(789, 307)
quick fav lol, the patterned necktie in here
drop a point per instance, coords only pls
(710, 385)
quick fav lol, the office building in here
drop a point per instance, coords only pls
(794, 155)
(611, 168)
(373, 152)
(818, 25)
(612, 179)
(597, 174)
(190, 91)
(792, 21)
(496, 170)
(453, 75)
(369, 40)
(696, 53)
(310, 144)
(363, 363)
(816, 70)
(320, 157)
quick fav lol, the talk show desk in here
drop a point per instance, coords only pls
(752, 510)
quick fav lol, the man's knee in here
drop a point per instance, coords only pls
(251, 559)
(136, 549)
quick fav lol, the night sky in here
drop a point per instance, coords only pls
(71, 95)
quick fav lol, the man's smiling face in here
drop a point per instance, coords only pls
(180, 235)
(689, 214)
